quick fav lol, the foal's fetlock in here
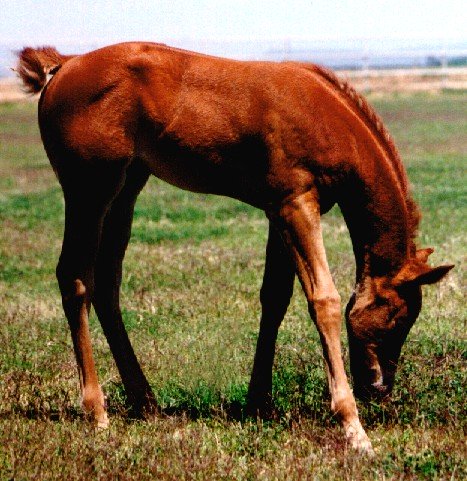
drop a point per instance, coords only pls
(259, 404)
(144, 407)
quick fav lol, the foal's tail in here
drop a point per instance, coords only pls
(35, 64)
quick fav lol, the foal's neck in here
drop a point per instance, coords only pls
(378, 213)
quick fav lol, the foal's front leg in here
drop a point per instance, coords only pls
(276, 291)
(299, 219)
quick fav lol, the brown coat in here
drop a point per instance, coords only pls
(288, 138)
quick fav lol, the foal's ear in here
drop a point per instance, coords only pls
(416, 272)
(423, 254)
(433, 275)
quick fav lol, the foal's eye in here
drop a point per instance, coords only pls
(393, 315)
(380, 301)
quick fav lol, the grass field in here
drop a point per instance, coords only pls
(190, 295)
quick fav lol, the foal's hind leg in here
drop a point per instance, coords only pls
(87, 197)
(299, 220)
(276, 291)
(108, 275)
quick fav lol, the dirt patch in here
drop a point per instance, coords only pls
(407, 116)
(15, 137)
(408, 80)
(10, 91)
(27, 180)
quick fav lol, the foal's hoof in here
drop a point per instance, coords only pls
(150, 412)
(363, 447)
(361, 444)
(102, 422)
(260, 407)
(96, 413)
(359, 441)
(99, 421)
(146, 408)
(263, 413)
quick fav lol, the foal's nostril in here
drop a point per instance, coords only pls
(376, 375)
(374, 391)
(379, 389)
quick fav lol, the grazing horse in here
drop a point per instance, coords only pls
(288, 138)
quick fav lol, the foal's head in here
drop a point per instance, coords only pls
(379, 317)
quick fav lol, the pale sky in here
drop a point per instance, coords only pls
(106, 21)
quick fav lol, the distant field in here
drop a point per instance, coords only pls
(190, 295)
(408, 79)
(383, 81)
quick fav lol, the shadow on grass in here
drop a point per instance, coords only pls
(61, 406)
(298, 392)
(61, 409)
(29, 395)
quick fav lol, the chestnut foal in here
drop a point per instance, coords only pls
(288, 138)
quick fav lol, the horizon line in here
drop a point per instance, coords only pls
(230, 39)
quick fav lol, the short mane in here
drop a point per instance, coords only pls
(374, 121)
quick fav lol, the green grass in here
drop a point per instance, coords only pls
(190, 295)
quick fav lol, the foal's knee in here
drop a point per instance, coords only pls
(325, 307)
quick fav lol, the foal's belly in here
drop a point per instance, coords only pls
(192, 176)
(203, 175)
(233, 171)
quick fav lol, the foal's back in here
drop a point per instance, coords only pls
(202, 123)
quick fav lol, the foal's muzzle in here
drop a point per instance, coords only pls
(372, 392)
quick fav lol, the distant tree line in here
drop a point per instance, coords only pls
(435, 61)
